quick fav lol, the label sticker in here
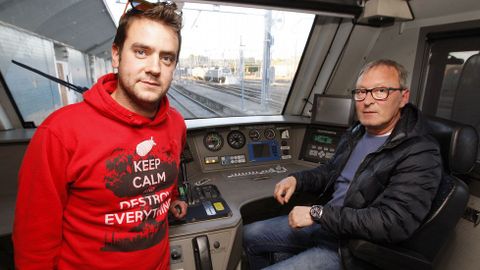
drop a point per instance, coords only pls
(218, 206)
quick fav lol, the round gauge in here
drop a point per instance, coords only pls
(254, 135)
(269, 134)
(236, 139)
(213, 141)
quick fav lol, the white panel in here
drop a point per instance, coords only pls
(359, 46)
(315, 54)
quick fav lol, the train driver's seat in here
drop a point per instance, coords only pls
(458, 146)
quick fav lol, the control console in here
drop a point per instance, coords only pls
(204, 203)
(320, 143)
(243, 146)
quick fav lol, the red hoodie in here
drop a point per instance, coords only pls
(96, 184)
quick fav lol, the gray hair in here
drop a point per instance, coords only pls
(402, 72)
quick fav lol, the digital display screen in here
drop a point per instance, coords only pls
(261, 150)
(332, 110)
(322, 139)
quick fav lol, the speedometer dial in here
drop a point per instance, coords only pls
(236, 139)
(269, 134)
(213, 141)
(254, 135)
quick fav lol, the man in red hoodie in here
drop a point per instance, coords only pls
(99, 177)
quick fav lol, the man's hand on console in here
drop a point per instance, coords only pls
(300, 217)
(284, 189)
(178, 209)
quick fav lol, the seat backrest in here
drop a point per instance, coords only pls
(467, 94)
(458, 146)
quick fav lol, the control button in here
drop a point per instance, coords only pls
(219, 206)
(175, 255)
(211, 160)
(284, 134)
(207, 205)
(216, 244)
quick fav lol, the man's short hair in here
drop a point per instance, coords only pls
(163, 12)
(402, 72)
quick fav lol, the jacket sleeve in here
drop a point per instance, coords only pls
(42, 194)
(402, 206)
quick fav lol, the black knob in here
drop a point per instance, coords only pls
(175, 255)
(216, 244)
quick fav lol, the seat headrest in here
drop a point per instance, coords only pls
(458, 143)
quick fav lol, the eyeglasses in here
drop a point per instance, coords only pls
(140, 6)
(378, 93)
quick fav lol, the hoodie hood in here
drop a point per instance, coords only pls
(411, 123)
(99, 97)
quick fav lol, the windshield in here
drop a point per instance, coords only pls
(234, 61)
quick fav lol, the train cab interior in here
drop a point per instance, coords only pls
(265, 90)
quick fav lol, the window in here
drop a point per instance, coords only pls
(237, 61)
(234, 61)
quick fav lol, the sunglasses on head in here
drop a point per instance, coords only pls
(140, 6)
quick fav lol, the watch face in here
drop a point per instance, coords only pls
(316, 211)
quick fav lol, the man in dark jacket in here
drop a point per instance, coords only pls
(381, 181)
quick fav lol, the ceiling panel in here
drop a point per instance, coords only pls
(86, 25)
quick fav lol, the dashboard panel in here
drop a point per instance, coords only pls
(227, 148)
(244, 162)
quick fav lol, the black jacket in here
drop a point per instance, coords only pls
(393, 188)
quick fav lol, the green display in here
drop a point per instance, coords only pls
(322, 139)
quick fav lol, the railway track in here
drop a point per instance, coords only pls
(198, 99)
(189, 107)
(250, 93)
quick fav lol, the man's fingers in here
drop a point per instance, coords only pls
(179, 209)
(287, 194)
(279, 194)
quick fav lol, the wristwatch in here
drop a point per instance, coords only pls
(316, 212)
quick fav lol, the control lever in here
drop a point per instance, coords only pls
(201, 250)
(183, 168)
(185, 184)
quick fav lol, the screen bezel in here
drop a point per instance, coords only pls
(273, 153)
(322, 120)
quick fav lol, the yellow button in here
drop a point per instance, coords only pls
(218, 206)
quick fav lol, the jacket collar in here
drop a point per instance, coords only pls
(410, 124)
